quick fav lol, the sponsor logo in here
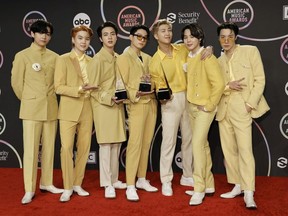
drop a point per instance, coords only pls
(284, 125)
(130, 16)
(284, 51)
(2, 124)
(92, 158)
(239, 12)
(285, 12)
(81, 19)
(184, 17)
(282, 162)
(8, 155)
(29, 19)
(90, 52)
(286, 88)
(178, 159)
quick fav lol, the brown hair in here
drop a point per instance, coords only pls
(76, 29)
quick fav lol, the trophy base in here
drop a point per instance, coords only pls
(164, 94)
(121, 94)
(145, 87)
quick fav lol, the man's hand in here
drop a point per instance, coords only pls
(141, 93)
(208, 51)
(236, 85)
(87, 87)
(117, 101)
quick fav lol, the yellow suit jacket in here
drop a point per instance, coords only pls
(68, 79)
(32, 80)
(132, 69)
(246, 62)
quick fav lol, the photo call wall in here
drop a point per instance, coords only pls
(262, 23)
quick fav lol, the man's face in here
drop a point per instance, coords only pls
(227, 39)
(164, 34)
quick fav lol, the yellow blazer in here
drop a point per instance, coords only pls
(68, 79)
(246, 62)
(32, 80)
(132, 69)
(205, 82)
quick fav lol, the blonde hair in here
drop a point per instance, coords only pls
(76, 29)
(160, 22)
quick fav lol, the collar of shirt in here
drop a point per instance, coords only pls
(163, 55)
(192, 55)
(38, 48)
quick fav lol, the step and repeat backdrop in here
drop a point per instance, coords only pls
(262, 23)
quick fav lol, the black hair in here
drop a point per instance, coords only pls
(228, 25)
(41, 26)
(196, 31)
(104, 25)
(137, 27)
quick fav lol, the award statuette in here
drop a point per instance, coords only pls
(145, 83)
(120, 92)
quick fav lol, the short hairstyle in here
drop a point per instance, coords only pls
(76, 29)
(228, 25)
(160, 22)
(104, 25)
(137, 27)
(41, 26)
(196, 31)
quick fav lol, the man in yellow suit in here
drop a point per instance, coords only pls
(33, 83)
(242, 100)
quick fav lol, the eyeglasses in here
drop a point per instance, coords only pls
(140, 37)
(229, 38)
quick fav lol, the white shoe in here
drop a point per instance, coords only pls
(236, 191)
(131, 193)
(197, 198)
(167, 189)
(119, 185)
(51, 189)
(249, 200)
(208, 192)
(27, 197)
(145, 185)
(65, 197)
(80, 191)
(187, 181)
(110, 192)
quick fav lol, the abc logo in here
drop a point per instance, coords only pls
(178, 159)
(81, 19)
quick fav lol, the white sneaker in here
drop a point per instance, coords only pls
(187, 181)
(249, 200)
(167, 189)
(80, 191)
(65, 197)
(110, 192)
(131, 193)
(197, 198)
(51, 189)
(208, 192)
(27, 197)
(236, 191)
(119, 185)
(145, 185)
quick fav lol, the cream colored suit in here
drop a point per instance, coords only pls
(75, 117)
(109, 117)
(205, 86)
(33, 83)
(234, 120)
(142, 114)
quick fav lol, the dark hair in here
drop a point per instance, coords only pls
(228, 25)
(104, 25)
(137, 27)
(196, 31)
(41, 26)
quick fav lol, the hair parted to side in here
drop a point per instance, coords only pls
(160, 22)
(104, 25)
(228, 25)
(76, 29)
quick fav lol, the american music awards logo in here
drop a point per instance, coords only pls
(239, 12)
(29, 19)
(1, 59)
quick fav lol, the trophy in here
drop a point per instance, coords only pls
(120, 92)
(145, 83)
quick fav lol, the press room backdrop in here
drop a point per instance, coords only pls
(262, 23)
